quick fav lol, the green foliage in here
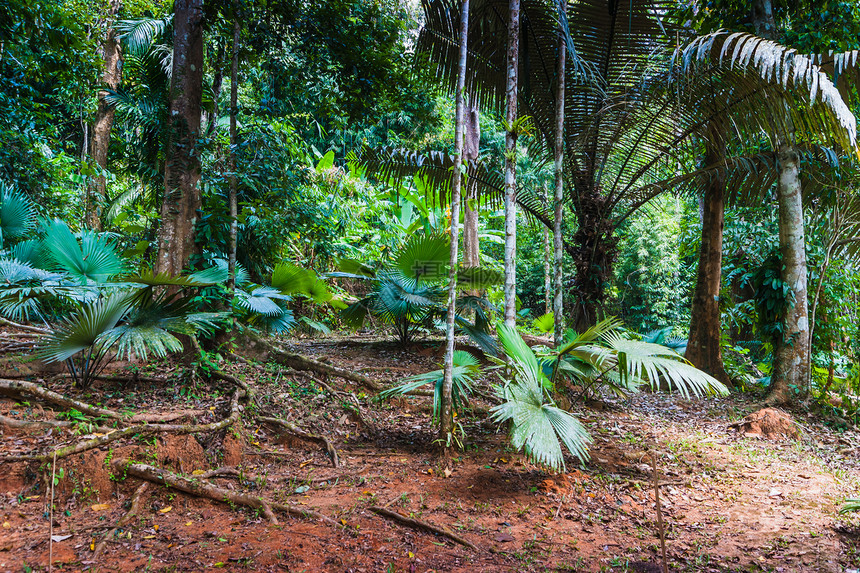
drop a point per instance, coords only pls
(850, 505)
(537, 424)
(602, 355)
(466, 369)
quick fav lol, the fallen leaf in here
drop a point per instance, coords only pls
(187, 524)
(6, 525)
(504, 537)
(198, 472)
(448, 472)
(100, 507)
(155, 527)
(343, 521)
(148, 537)
(92, 545)
(165, 509)
(58, 538)
(302, 489)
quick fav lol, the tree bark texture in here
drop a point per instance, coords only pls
(233, 203)
(471, 151)
(511, 165)
(447, 422)
(558, 196)
(594, 251)
(182, 166)
(703, 346)
(791, 354)
(103, 123)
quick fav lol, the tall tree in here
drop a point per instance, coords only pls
(233, 206)
(791, 354)
(447, 414)
(513, 56)
(558, 196)
(471, 152)
(703, 346)
(182, 165)
(100, 143)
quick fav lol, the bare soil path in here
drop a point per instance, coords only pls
(730, 503)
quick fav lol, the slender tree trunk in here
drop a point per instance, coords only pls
(547, 272)
(511, 166)
(234, 210)
(791, 354)
(471, 151)
(210, 120)
(558, 196)
(182, 166)
(447, 421)
(703, 346)
(111, 76)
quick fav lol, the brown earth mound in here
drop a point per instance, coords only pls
(768, 423)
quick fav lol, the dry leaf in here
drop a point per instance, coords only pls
(155, 527)
(198, 473)
(148, 537)
(165, 509)
(187, 524)
(100, 507)
(6, 525)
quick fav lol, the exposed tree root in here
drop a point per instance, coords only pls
(298, 432)
(25, 327)
(20, 388)
(98, 441)
(421, 525)
(202, 489)
(135, 509)
(133, 377)
(299, 362)
(43, 424)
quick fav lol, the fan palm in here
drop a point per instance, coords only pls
(410, 291)
(603, 355)
(17, 214)
(466, 369)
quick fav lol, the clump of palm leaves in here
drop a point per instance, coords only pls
(604, 355)
(78, 285)
(410, 292)
(466, 369)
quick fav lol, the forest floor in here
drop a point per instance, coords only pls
(729, 502)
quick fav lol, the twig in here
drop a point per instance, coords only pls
(660, 528)
(209, 491)
(42, 424)
(135, 509)
(298, 432)
(421, 525)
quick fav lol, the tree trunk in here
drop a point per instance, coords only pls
(233, 206)
(446, 425)
(511, 166)
(111, 76)
(471, 151)
(791, 354)
(703, 346)
(210, 119)
(182, 166)
(593, 253)
(558, 196)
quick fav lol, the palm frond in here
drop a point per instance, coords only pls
(85, 328)
(17, 214)
(93, 259)
(850, 505)
(138, 34)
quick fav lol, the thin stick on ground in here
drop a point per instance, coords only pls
(135, 509)
(421, 525)
(298, 432)
(204, 489)
(661, 530)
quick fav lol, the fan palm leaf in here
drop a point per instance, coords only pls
(17, 214)
(93, 259)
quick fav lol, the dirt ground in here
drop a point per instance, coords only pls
(730, 502)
